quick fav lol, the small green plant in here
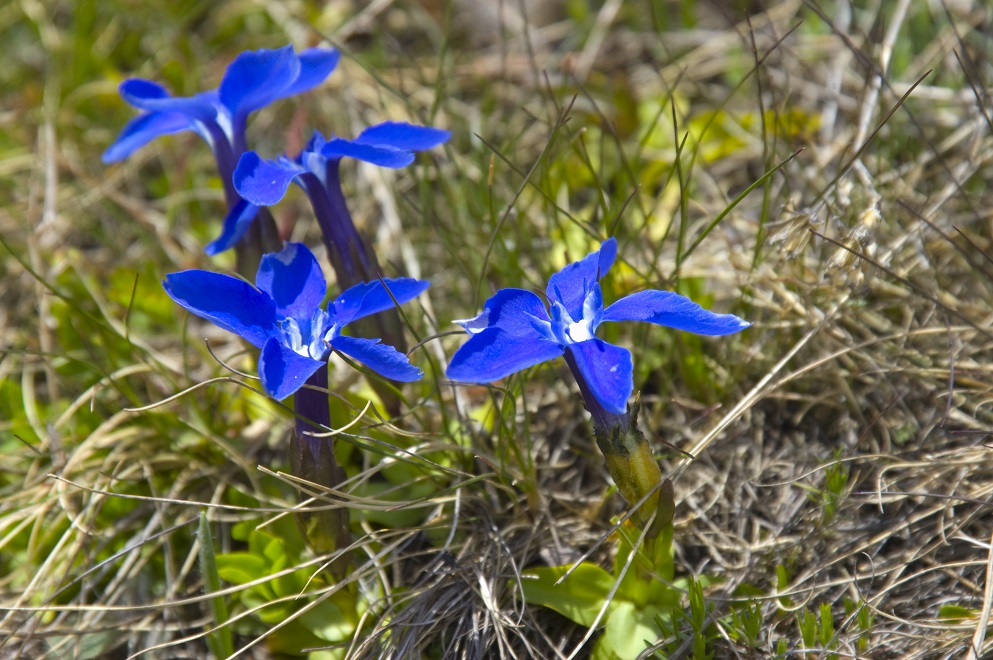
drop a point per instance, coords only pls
(817, 631)
(638, 605)
(698, 618)
(807, 624)
(836, 478)
(864, 620)
(746, 621)
(633, 604)
(782, 582)
(294, 610)
(826, 630)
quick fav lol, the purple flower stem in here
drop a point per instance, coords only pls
(226, 158)
(262, 235)
(261, 238)
(313, 416)
(353, 262)
(312, 458)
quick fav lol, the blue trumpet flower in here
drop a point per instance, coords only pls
(254, 80)
(283, 316)
(316, 170)
(514, 332)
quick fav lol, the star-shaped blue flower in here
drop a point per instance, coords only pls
(254, 80)
(264, 182)
(283, 316)
(515, 331)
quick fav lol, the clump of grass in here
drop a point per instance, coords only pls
(829, 466)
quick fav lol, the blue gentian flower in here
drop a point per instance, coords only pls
(283, 316)
(264, 183)
(515, 332)
(255, 79)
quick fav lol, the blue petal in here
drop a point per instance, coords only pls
(476, 324)
(152, 97)
(264, 182)
(236, 223)
(381, 358)
(401, 135)
(225, 301)
(382, 156)
(368, 298)
(607, 371)
(143, 129)
(572, 284)
(673, 311)
(257, 78)
(493, 354)
(293, 279)
(316, 64)
(512, 310)
(137, 91)
(282, 371)
(315, 143)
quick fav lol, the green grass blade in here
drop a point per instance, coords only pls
(219, 637)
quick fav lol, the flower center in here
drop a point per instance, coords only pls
(566, 330)
(581, 330)
(307, 337)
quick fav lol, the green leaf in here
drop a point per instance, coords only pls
(827, 625)
(580, 597)
(292, 638)
(274, 552)
(330, 622)
(89, 646)
(649, 579)
(807, 623)
(629, 631)
(955, 613)
(290, 584)
(262, 596)
(241, 567)
(782, 583)
(219, 641)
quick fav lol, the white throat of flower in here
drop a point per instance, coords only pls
(566, 330)
(316, 164)
(308, 338)
(225, 122)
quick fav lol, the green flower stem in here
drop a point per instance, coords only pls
(636, 472)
